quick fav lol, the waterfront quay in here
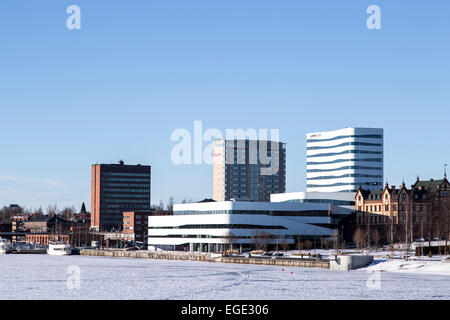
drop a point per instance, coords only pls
(208, 257)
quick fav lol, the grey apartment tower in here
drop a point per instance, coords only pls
(248, 169)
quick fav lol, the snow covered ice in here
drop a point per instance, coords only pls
(46, 277)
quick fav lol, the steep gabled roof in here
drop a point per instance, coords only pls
(363, 192)
(393, 191)
(428, 185)
(371, 195)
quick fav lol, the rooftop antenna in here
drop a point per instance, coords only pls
(445, 171)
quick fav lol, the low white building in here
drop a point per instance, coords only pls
(213, 226)
(340, 202)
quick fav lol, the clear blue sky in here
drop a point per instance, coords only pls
(137, 70)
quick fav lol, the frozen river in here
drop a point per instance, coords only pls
(52, 277)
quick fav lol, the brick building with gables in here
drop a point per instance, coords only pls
(421, 212)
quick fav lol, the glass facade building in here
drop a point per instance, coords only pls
(345, 159)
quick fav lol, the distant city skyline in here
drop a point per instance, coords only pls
(118, 87)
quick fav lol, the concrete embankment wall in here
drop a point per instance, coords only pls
(350, 262)
(278, 262)
(204, 257)
(148, 255)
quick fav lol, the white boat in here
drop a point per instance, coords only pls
(58, 248)
(5, 246)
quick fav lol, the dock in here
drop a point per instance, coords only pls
(28, 251)
(207, 257)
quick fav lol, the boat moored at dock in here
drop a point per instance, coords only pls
(59, 248)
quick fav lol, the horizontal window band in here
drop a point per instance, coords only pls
(371, 136)
(346, 144)
(343, 152)
(343, 184)
(305, 213)
(126, 174)
(124, 197)
(326, 201)
(347, 190)
(221, 226)
(194, 237)
(103, 200)
(350, 175)
(345, 168)
(346, 160)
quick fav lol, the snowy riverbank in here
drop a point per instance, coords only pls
(46, 277)
(423, 265)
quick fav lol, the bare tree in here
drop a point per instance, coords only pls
(375, 237)
(159, 209)
(39, 214)
(446, 209)
(388, 232)
(367, 229)
(52, 210)
(358, 237)
(308, 244)
(260, 239)
(429, 223)
(326, 243)
(257, 239)
(299, 244)
(284, 245)
(8, 212)
(68, 212)
(399, 232)
(408, 222)
(266, 237)
(438, 225)
(232, 239)
(170, 205)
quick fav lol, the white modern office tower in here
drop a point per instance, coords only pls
(343, 160)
